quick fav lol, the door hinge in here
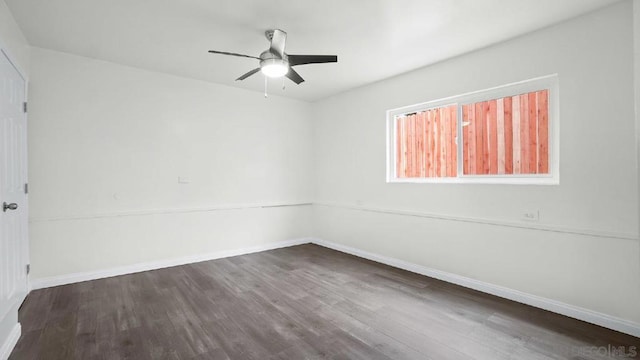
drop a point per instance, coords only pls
(24, 106)
(28, 268)
(26, 188)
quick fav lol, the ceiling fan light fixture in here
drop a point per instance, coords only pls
(274, 68)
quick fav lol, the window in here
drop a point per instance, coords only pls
(501, 135)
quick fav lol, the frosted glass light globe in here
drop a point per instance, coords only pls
(274, 67)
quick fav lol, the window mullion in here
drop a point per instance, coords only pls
(459, 142)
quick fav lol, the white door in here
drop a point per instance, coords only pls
(13, 177)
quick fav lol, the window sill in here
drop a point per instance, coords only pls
(488, 180)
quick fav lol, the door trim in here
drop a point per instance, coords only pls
(7, 347)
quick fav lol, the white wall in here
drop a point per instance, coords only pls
(636, 78)
(584, 251)
(107, 144)
(13, 41)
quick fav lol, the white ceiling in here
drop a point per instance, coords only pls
(374, 39)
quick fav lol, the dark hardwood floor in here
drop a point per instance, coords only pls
(302, 302)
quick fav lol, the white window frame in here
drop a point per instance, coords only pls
(549, 83)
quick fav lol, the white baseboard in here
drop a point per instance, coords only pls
(10, 342)
(575, 312)
(130, 269)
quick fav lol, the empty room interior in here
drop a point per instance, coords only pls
(414, 179)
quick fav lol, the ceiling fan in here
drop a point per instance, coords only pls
(274, 62)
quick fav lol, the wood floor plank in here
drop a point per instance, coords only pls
(301, 302)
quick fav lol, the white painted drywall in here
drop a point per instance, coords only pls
(107, 144)
(12, 40)
(598, 191)
(636, 79)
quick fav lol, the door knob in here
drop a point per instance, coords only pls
(11, 206)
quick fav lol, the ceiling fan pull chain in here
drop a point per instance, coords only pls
(282, 83)
(265, 87)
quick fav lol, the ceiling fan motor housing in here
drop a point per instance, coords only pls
(268, 55)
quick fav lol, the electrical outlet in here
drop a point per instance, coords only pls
(532, 215)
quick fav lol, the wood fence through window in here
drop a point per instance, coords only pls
(509, 135)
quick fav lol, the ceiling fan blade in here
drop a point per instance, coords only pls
(248, 74)
(278, 40)
(311, 59)
(232, 54)
(294, 76)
